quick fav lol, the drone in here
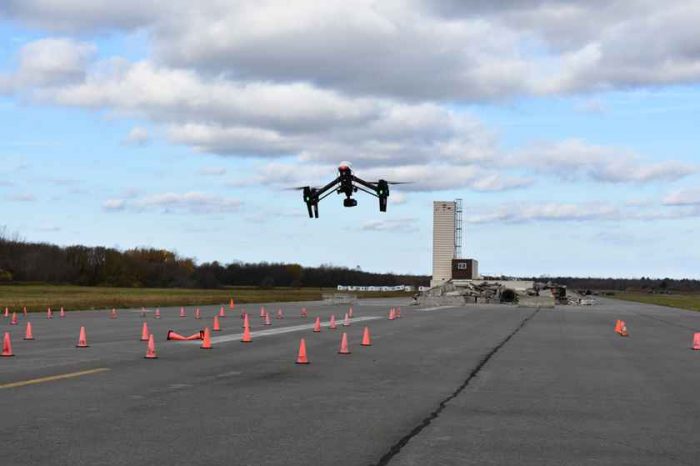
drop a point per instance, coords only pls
(348, 184)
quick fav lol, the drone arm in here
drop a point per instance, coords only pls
(327, 188)
(372, 193)
(325, 195)
(379, 190)
(364, 183)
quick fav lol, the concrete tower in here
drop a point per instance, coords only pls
(444, 241)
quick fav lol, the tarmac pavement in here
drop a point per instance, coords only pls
(485, 384)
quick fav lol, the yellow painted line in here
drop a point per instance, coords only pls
(52, 378)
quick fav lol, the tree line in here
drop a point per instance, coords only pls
(22, 261)
(621, 284)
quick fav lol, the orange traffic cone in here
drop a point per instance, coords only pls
(157, 313)
(350, 312)
(216, 327)
(344, 345)
(267, 319)
(231, 304)
(304, 313)
(696, 341)
(7, 346)
(280, 314)
(82, 339)
(301, 357)
(24, 311)
(49, 314)
(174, 336)
(246, 336)
(144, 332)
(346, 322)
(623, 329)
(182, 312)
(7, 312)
(262, 311)
(246, 321)
(206, 341)
(113, 314)
(398, 313)
(151, 348)
(197, 314)
(62, 314)
(332, 326)
(13, 320)
(392, 314)
(222, 312)
(28, 332)
(366, 340)
(317, 325)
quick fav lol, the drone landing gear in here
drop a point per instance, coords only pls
(313, 210)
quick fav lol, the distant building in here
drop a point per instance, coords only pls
(465, 269)
(447, 244)
(444, 240)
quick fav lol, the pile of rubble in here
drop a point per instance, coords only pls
(457, 292)
(523, 293)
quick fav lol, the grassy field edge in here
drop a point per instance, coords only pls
(74, 298)
(689, 302)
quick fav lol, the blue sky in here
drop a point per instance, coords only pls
(137, 125)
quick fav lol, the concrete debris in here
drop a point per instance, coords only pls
(521, 292)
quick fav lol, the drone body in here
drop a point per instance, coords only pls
(348, 184)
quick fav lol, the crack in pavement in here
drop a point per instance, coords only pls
(398, 446)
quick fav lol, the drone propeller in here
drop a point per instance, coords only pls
(301, 188)
(395, 182)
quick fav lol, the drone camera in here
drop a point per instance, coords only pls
(350, 202)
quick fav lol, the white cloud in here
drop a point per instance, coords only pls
(49, 228)
(114, 204)
(212, 171)
(83, 16)
(395, 225)
(369, 82)
(137, 136)
(415, 49)
(49, 62)
(520, 213)
(683, 197)
(438, 177)
(190, 202)
(427, 177)
(397, 198)
(577, 159)
(578, 212)
(23, 197)
(591, 105)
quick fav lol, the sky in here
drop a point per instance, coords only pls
(569, 129)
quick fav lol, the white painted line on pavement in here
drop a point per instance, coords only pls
(437, 308)
(290, 329)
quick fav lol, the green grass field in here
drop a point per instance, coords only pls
(683, 301)
(39, 297)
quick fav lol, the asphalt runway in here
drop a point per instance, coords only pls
(487, 384)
